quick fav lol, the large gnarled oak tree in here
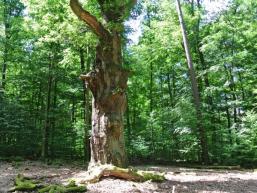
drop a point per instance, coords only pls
(107, 82)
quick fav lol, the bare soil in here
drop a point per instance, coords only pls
(179, 180)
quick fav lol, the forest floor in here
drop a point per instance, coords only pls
(179, 180)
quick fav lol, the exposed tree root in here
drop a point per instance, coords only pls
(93, 175)
(97, 172)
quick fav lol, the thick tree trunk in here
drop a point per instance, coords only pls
(107, 83)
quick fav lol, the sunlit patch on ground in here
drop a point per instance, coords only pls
(179, 180)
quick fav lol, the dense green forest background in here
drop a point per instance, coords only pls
(44, 48)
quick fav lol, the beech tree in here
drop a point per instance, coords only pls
(107, 81)
(196, 95)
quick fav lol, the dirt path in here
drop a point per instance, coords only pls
(180, 180)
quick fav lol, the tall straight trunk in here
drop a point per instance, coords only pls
(134, 118)
(4, 69)
(172, 94)
(170, 89)
(5, 53)
(37, 113)
(86, 104)
(209, 98)
(47, 125)
(241, 86)
(151, 95)
(196, 96)
(201, 56)
(73, 109)
(53, 120)
(151, 110)
(228, 121)
(232, 88)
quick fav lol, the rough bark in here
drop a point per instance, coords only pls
(108, 106)
(128, 126)
(107, 82)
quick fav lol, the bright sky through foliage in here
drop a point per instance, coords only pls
(212, 7)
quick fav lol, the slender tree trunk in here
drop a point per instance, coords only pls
(209, 98)
(47, 126)
(4, 69)
(5, 53)
(151, 94)
(151, 111)
(73, 109)
(228, 121)
(38, 105)
(202, 132)
(86, 99)
(172, 93)
(241, 86)
(170, 89)
(232, 89)
(53, 120)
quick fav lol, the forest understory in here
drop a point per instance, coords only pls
(179, 179)
(138, 82)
